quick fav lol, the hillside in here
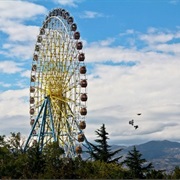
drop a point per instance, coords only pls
(164, 155)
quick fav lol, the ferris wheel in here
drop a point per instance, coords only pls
(58, 86)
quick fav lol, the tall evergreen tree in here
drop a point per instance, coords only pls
(136, 164)
(176, 173)
(101, 150)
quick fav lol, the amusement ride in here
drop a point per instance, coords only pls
(58, 87)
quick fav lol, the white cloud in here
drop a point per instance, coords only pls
(26, 73)
(16, 123)
(107, 42)
(22, 51)
(151, 86)
(116, 91)
(127, 32)
(168, 48)
(10, 67)
(174, 2)
(22, 83)
(154, 36)
(21, 33)
(14, 102)
(14, 108)
(21, 37)
(97, 53)
(20, 10)
(72, 3)
(91, 14)
(4, 84)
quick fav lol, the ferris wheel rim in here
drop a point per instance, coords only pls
(76, 74)
(58, 19)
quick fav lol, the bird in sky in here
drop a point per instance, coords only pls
(136, 126)
(131, 122)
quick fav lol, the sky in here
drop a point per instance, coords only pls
(132, 50)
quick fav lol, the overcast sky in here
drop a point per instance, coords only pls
(132, 52)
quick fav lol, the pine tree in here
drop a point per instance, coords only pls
(136, 164)
(101, 150)
(176, 173)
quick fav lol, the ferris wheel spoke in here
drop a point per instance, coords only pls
(70, 88)
(70, 77)
(71, 72)
(67, 101)
(70, 113)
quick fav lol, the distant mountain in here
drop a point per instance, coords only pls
(165, 155)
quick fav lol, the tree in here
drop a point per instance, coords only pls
(101, 150)
(156, 174)
(136, 164)
(35, 165)
(5, 157)
(53, 161)
(2, 141)
(99, 170)
(176, 173)
(15, 143)
(12, 158)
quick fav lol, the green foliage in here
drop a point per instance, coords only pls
(155, 174)
(35, 162)
(100, 170)
(54, 162)
(5, 158)
(11, 157)
(2, 141)
(176, 173)
(51, 163)
(15, 141)
(135, 163)
(101, 150)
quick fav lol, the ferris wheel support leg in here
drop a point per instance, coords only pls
(33, 127)
(42, 133)
(42, 127)
(51, 119)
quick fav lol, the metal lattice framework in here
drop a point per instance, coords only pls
(58, 86)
